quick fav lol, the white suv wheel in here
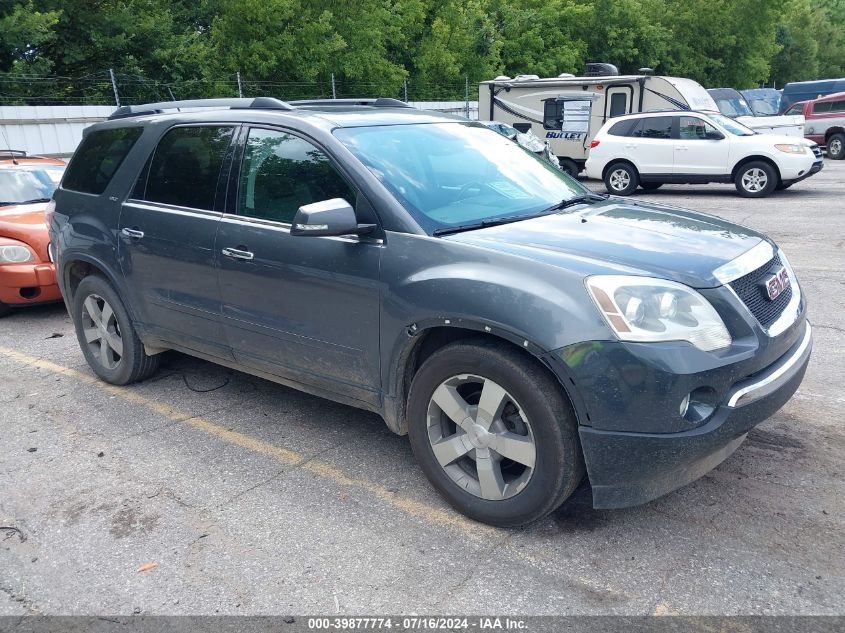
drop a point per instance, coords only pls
(754, 180)
(619, 179)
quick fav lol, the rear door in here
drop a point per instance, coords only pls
(695, 154)
(167, 230)
(301, 307)
(650, 146)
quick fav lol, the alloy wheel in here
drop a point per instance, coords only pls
(620, 179)
(835, 147)
(481, 437)
(754, 180)
(102, 331)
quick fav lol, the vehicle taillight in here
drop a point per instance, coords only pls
(594, 144)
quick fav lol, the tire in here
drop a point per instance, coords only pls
(621, 179)
(651, 186)
(123, 360)
(5, 309)
(756, 179)
(534, 416)
(569, 166)
(836, 146)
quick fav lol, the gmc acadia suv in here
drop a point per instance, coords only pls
(519, 328)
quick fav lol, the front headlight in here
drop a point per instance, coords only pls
(644, 309)
(14, 252)
(792, 149)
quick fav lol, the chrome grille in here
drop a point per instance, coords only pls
(750, 290)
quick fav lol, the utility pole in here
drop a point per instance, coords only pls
(334, 92)
(114, 87)
(466, 96)
(405, 84)
(240, 88)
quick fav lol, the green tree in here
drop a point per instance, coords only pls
(799, 49)
(24, 32)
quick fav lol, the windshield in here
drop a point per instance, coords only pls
(765, 106)
(735, 128)
(734, 107)
(22, 184)
(454, 174)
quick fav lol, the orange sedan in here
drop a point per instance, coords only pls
(27, 276)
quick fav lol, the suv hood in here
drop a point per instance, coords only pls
(625, 238)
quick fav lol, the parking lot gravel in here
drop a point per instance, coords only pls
(208, 491)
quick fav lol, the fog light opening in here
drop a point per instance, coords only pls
(699, 404)
(30, 293)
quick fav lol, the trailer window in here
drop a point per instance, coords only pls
(567, 115)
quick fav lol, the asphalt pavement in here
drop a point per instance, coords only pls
(206, 491)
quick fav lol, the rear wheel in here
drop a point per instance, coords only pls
(836, 146)
(494, 433)
(621, 179)
(651, 186)
(106, 334)
(755, 179)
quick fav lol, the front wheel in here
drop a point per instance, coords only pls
(621, 179)
(755, 179)
(494, 433)
(836, 147)
(107, 336)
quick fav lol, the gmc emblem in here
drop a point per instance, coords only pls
(776, 283)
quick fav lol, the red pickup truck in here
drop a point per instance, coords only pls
(824, 122)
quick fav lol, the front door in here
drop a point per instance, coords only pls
(167, 230)
(301, 307)
(695, 154)
(649, 145)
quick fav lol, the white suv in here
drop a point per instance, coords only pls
(654, 148)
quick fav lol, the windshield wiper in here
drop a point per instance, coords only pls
(33, 201)
(482, 224)
(579, 199)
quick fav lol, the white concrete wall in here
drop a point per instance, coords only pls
(54, 130)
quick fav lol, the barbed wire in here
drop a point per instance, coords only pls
(96, 88)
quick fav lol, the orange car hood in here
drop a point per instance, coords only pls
(25, 223)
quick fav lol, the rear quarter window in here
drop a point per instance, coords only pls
(623, 128)
(97, 158)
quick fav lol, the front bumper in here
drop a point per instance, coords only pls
(629, 468)
(25, 284)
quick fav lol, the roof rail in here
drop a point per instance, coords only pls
(267, 103)
(12, 152)
(380, 102)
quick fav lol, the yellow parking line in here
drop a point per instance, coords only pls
(286, 456)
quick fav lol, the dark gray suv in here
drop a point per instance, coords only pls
(518, 327)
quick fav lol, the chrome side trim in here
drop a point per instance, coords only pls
(750, 260)
(775, 376)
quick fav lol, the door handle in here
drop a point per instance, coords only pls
(236, 253)
(133, 233)
(681, 148)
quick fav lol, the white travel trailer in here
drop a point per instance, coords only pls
(567, 111)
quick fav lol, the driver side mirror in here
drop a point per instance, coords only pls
(714, 135)
(328, 217)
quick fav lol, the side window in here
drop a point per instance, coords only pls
(97, 158)
(659, 127)
(186, 166)
(282, 172)
(822, 107)
(618, 103)
(796, 109)
(837, 106)
(693, 128)
(552, 115)
(623, 128)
